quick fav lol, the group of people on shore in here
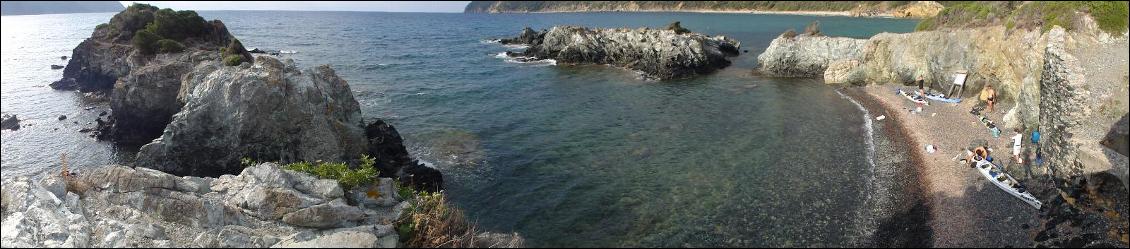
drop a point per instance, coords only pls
(987, 96)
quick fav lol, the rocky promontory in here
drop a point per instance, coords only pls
(139, 58)
(658, 53)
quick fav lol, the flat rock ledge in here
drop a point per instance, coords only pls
(657, 53)
(264, 206)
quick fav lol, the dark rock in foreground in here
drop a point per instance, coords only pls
(56, 67)
(662, 54)
(9, 122)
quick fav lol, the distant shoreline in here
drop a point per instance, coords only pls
(755, 12)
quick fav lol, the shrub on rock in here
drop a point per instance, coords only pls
(177, 25)
(145, 42)
(169, 46)
(233, 60)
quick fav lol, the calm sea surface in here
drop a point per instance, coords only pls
(563, 155)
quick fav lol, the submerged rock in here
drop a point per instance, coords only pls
(56, 66)
(116, 206)
(10, 122)
(269, 111)
(662, 54)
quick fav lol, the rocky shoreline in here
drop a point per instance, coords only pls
(662, 54)
(204, 107)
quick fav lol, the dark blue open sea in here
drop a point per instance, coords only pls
(564, 155)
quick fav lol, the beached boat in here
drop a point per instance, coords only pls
(1005, 182)
(942, 98)
(912, 97)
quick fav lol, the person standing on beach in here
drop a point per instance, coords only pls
(989, 96)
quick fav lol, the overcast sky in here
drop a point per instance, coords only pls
(389, 6)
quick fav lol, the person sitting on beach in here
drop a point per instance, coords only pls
(978, 154)
(989, 96)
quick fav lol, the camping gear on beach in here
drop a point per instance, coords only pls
(996, 132)
(976, 110)
(1005, 182)
(1035, 137)
(942, 98)
(958, 84)
(930, 148)
(913, 98)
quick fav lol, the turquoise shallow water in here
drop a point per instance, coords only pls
(564, 155)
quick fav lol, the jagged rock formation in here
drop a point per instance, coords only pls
(57, 7)
(9, 122)
(661, 54)
(140, 82)
(916, 9)
(264, 206)
(268, 111)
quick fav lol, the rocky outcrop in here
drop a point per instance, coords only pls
(264, 206)
(145, 100)
(660, 54)
(269, 111)
(807, 55)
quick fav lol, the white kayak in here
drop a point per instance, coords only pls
(1005, 182)
(912, 97)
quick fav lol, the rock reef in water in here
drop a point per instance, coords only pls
(263, 206)
(660, 54)
(9, 122)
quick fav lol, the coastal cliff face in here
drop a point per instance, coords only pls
(1039, 75)
(662, 54)
(917, 9)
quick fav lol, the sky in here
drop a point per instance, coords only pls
(382, 6)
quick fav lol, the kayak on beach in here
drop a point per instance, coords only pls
(993, 130)
(942, 98)
(913, 98)
(1005, 182)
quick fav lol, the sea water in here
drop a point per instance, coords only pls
(563, 155)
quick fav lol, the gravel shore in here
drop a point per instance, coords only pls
(964, 209)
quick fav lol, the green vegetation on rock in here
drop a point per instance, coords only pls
(169, 46)
(348, 178)
(233, 60)
(177, 25)
(145, 42)
(1110, 16)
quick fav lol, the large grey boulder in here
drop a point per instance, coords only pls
(118, 206)
(662, 54)
(807, 55)
(145, 100)
(269, 111)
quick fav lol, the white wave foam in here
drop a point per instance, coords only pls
(865, 221)
(525, 60)
(288, 52)
(491, 41)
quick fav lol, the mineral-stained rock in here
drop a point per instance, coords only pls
(661, 54)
